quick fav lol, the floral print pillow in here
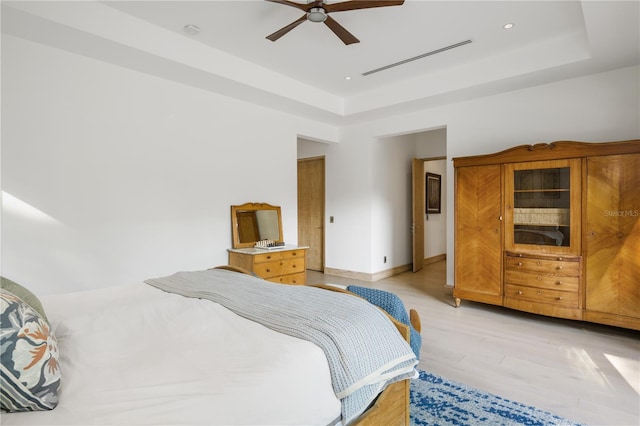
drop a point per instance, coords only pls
(30, 374)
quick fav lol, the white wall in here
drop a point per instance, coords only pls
(431, 143)
(113, 176)
(133, 175)
(391, 204)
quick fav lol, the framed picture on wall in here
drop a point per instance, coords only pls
(433, 193)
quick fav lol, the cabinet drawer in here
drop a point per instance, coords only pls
(268, 270)
(567, 299)
(278, 255)
(293, 254)
(279, 267)
(295, 279)
(550, 281)
(292, 266)
(267, 257)
(557, 266)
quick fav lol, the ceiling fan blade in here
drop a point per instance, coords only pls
(282, 31)
(340, 31)
(302, 6)
(359, 4)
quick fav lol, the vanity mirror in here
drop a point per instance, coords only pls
(252, 222)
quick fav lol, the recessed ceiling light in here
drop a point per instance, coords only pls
(508, 26)
(348, 77)
(191, 29)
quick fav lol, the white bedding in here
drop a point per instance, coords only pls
(136, 355)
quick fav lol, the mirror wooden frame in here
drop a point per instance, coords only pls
(251, 207)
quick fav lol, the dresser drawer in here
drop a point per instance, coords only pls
(267, 257)
(279, 267)
(550, 281)
(278, 255)
(292, 266)
(566, 299)
(557, 266)
(295, 279)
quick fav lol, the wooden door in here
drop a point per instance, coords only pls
(478, 234)
(311, 192)
(612, 240)
(418, 206)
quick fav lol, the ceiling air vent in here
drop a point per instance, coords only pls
(424, 55)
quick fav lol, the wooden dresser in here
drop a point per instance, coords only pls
(552, 229)
(283, 265)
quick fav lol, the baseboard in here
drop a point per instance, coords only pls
(347, 274)
(362, 276)
(435, 259)
(391, 272)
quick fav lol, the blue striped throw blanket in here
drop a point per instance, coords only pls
(364, 350)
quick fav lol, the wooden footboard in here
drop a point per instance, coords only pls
(391, 408)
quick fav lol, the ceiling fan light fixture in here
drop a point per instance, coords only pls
(317, 14)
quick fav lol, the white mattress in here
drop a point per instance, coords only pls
(135, 355)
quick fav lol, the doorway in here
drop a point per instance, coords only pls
(430, 245)
(311, 198)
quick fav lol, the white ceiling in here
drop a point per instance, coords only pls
(304, 71)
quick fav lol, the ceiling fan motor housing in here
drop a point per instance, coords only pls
(317, 14)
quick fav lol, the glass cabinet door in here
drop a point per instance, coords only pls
(542, 206)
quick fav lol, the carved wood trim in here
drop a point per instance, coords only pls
(550, 151)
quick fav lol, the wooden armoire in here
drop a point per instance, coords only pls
(552, 229)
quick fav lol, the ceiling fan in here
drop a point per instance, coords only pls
(318, 10)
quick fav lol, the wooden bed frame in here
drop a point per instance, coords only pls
(391, 408)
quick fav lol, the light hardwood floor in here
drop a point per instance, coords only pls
(585, 372)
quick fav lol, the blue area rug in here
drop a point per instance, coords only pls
(436, 401)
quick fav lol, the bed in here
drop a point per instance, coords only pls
(214, 347)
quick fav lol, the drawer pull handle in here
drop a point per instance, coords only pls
(519, 263)
(559, 298)
(560, 259)
(559, 267)
(558, 282)
(539, 277)
(269, 257)
(268, 270)
(519, 292)
(538, 292)
(538, 263)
